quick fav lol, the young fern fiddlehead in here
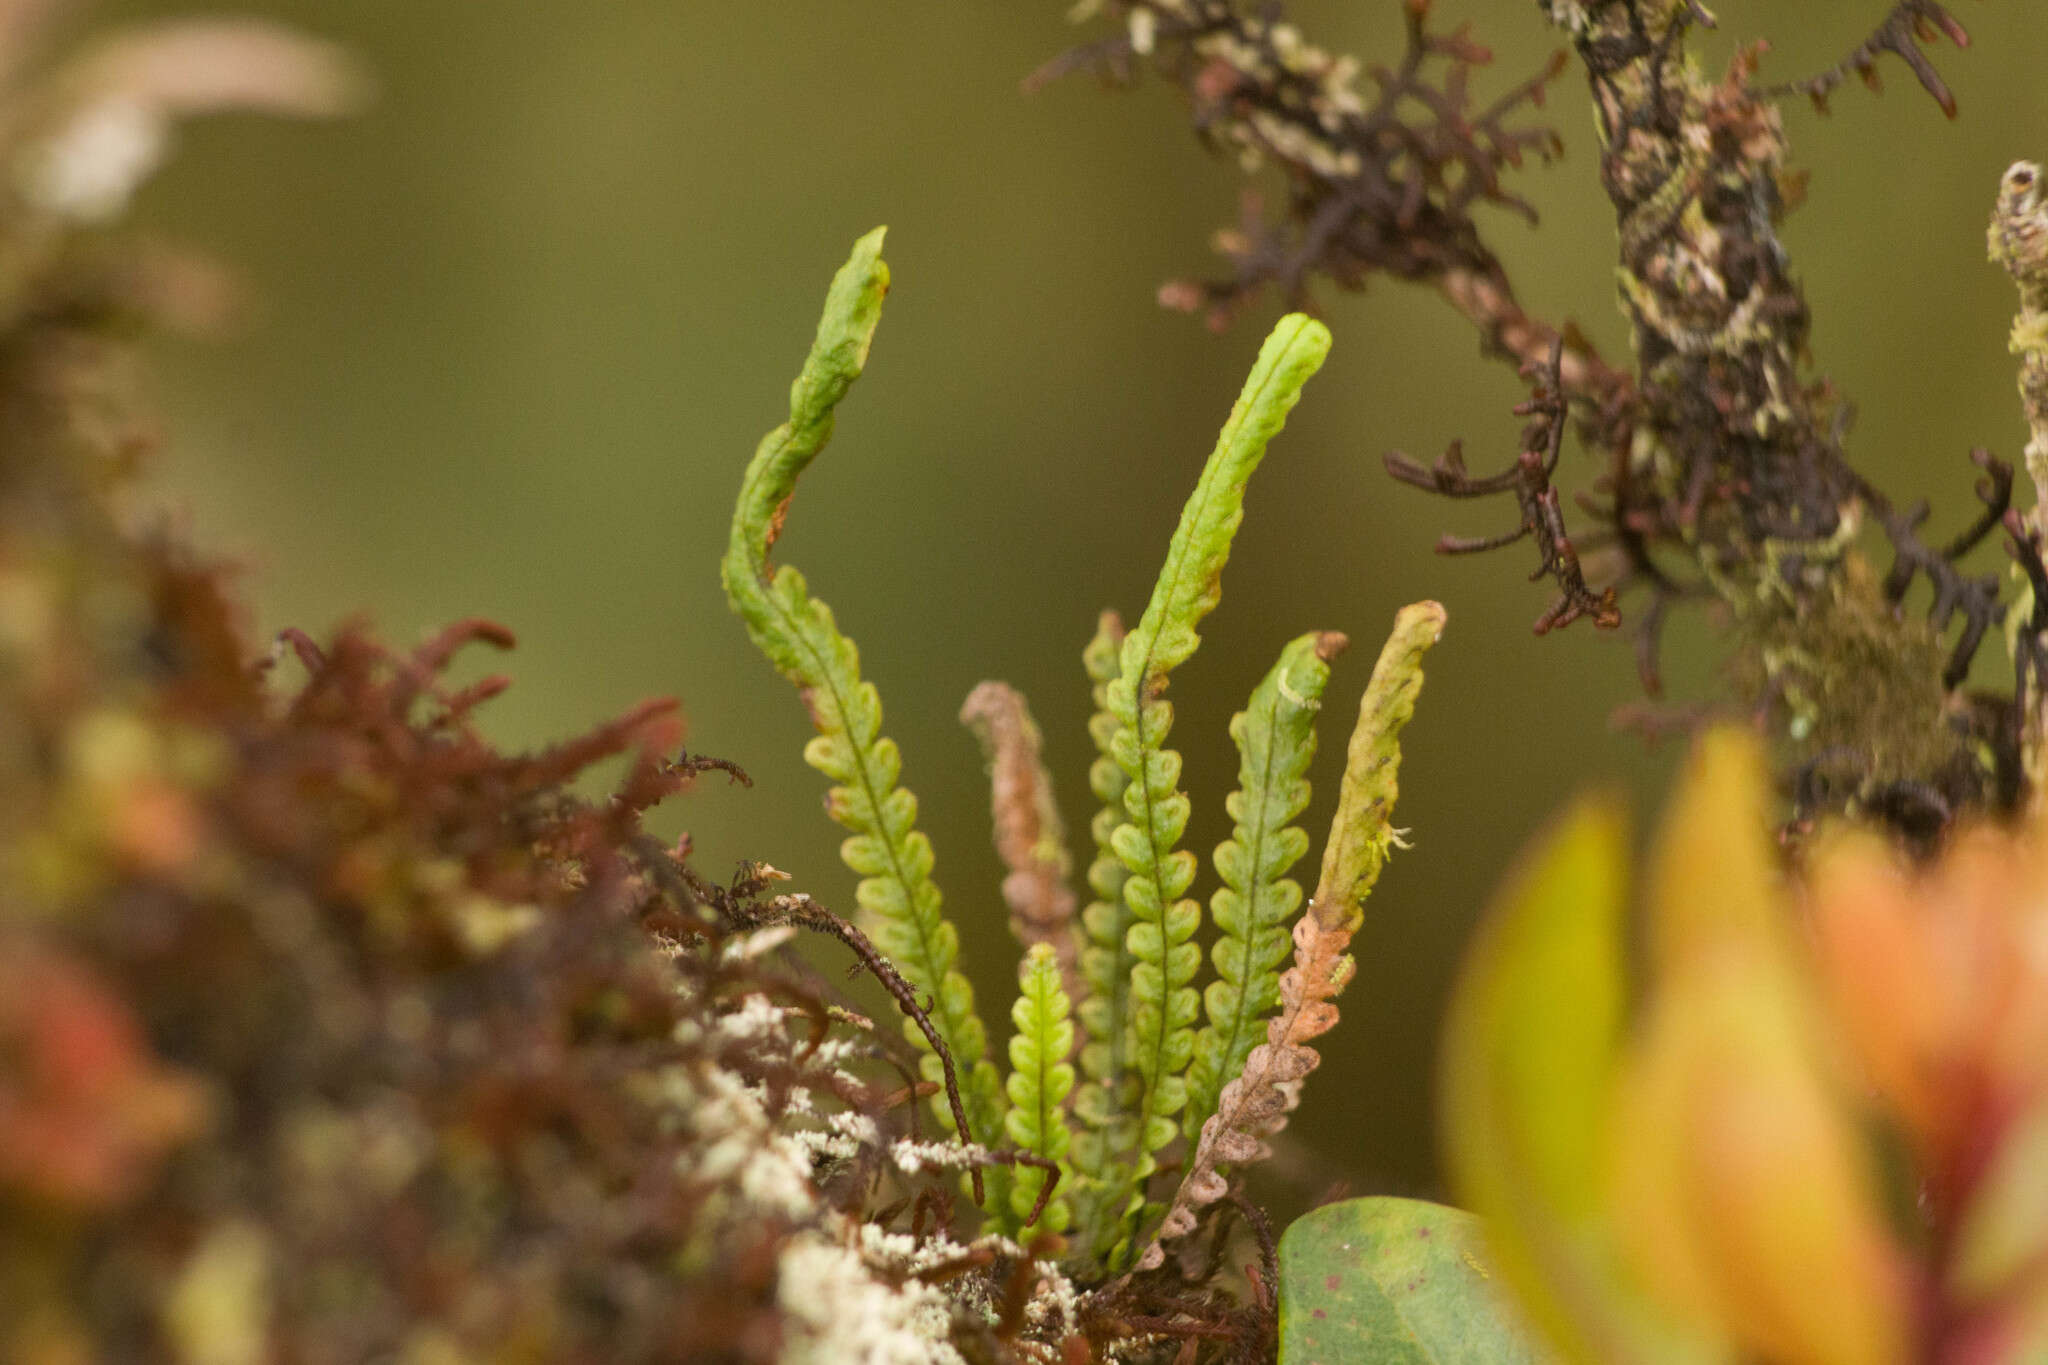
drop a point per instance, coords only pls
(897, 896)
(1163, 1002)
(1040, 1080)
(1276, 739)
(1103, 1102)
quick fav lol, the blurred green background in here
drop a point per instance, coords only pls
(521, 325)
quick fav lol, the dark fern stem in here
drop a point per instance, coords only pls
(1974, 598)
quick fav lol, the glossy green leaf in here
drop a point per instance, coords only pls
(1395, 1282)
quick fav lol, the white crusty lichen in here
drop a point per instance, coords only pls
(1569, 15)
(738, 1148)
(912, 1156)
(847, 1291)
(835, 1309)
(837, 1300)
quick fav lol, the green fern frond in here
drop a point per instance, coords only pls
(898, 899)
(1255, 1102)
(1276, 739)
(1104, 1102)
(1163, 1004)
(1040, 1080)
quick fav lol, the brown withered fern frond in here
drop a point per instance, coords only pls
(1030, 836)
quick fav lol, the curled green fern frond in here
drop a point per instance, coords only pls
(1163, 1002)
(1040, 1080)
(1104, 1101)
(897, 897)
(1276, 739)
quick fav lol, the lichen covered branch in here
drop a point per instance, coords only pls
(1386, 165)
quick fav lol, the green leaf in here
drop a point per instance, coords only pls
(1362, 831)
(1531, 1056)
(1106, 1098)
(1040, 1079)
(1394, 1282)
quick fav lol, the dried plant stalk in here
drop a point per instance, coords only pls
(1256, 1104)
(2019, 241)
(1030, 836)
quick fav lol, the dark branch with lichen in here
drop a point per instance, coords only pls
(1739, 457)
(1723, 473)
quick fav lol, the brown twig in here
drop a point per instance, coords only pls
(802, 910)
(1529, 480)
(1910, 23)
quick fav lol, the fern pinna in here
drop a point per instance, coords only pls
(1081, 1159)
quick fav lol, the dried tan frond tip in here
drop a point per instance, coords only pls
(1030, 837)
(206, 66)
